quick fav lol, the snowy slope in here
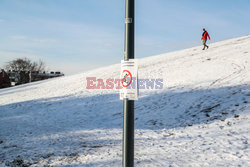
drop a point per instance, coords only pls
(200, 118)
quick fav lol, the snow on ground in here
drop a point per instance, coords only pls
(200, 118)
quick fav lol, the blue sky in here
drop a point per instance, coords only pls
(77, 35)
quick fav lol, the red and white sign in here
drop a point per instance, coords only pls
(129, 76)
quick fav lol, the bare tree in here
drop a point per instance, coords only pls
(25, 65)
(25, 69)
(40, 66)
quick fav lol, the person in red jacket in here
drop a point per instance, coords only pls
(204, 38)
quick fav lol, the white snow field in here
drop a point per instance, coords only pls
(201, 117)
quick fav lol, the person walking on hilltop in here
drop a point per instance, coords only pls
(204, 38)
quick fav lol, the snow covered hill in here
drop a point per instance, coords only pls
(201, 117)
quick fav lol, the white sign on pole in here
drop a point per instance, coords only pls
(129, 76)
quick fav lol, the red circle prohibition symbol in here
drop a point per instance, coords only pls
(129, 74)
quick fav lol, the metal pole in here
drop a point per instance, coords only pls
(128, 105)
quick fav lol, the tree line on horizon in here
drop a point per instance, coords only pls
(23, 70)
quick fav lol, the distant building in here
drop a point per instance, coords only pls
(18, 78)
(4, 79)
(52, 74)
(12, 78)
